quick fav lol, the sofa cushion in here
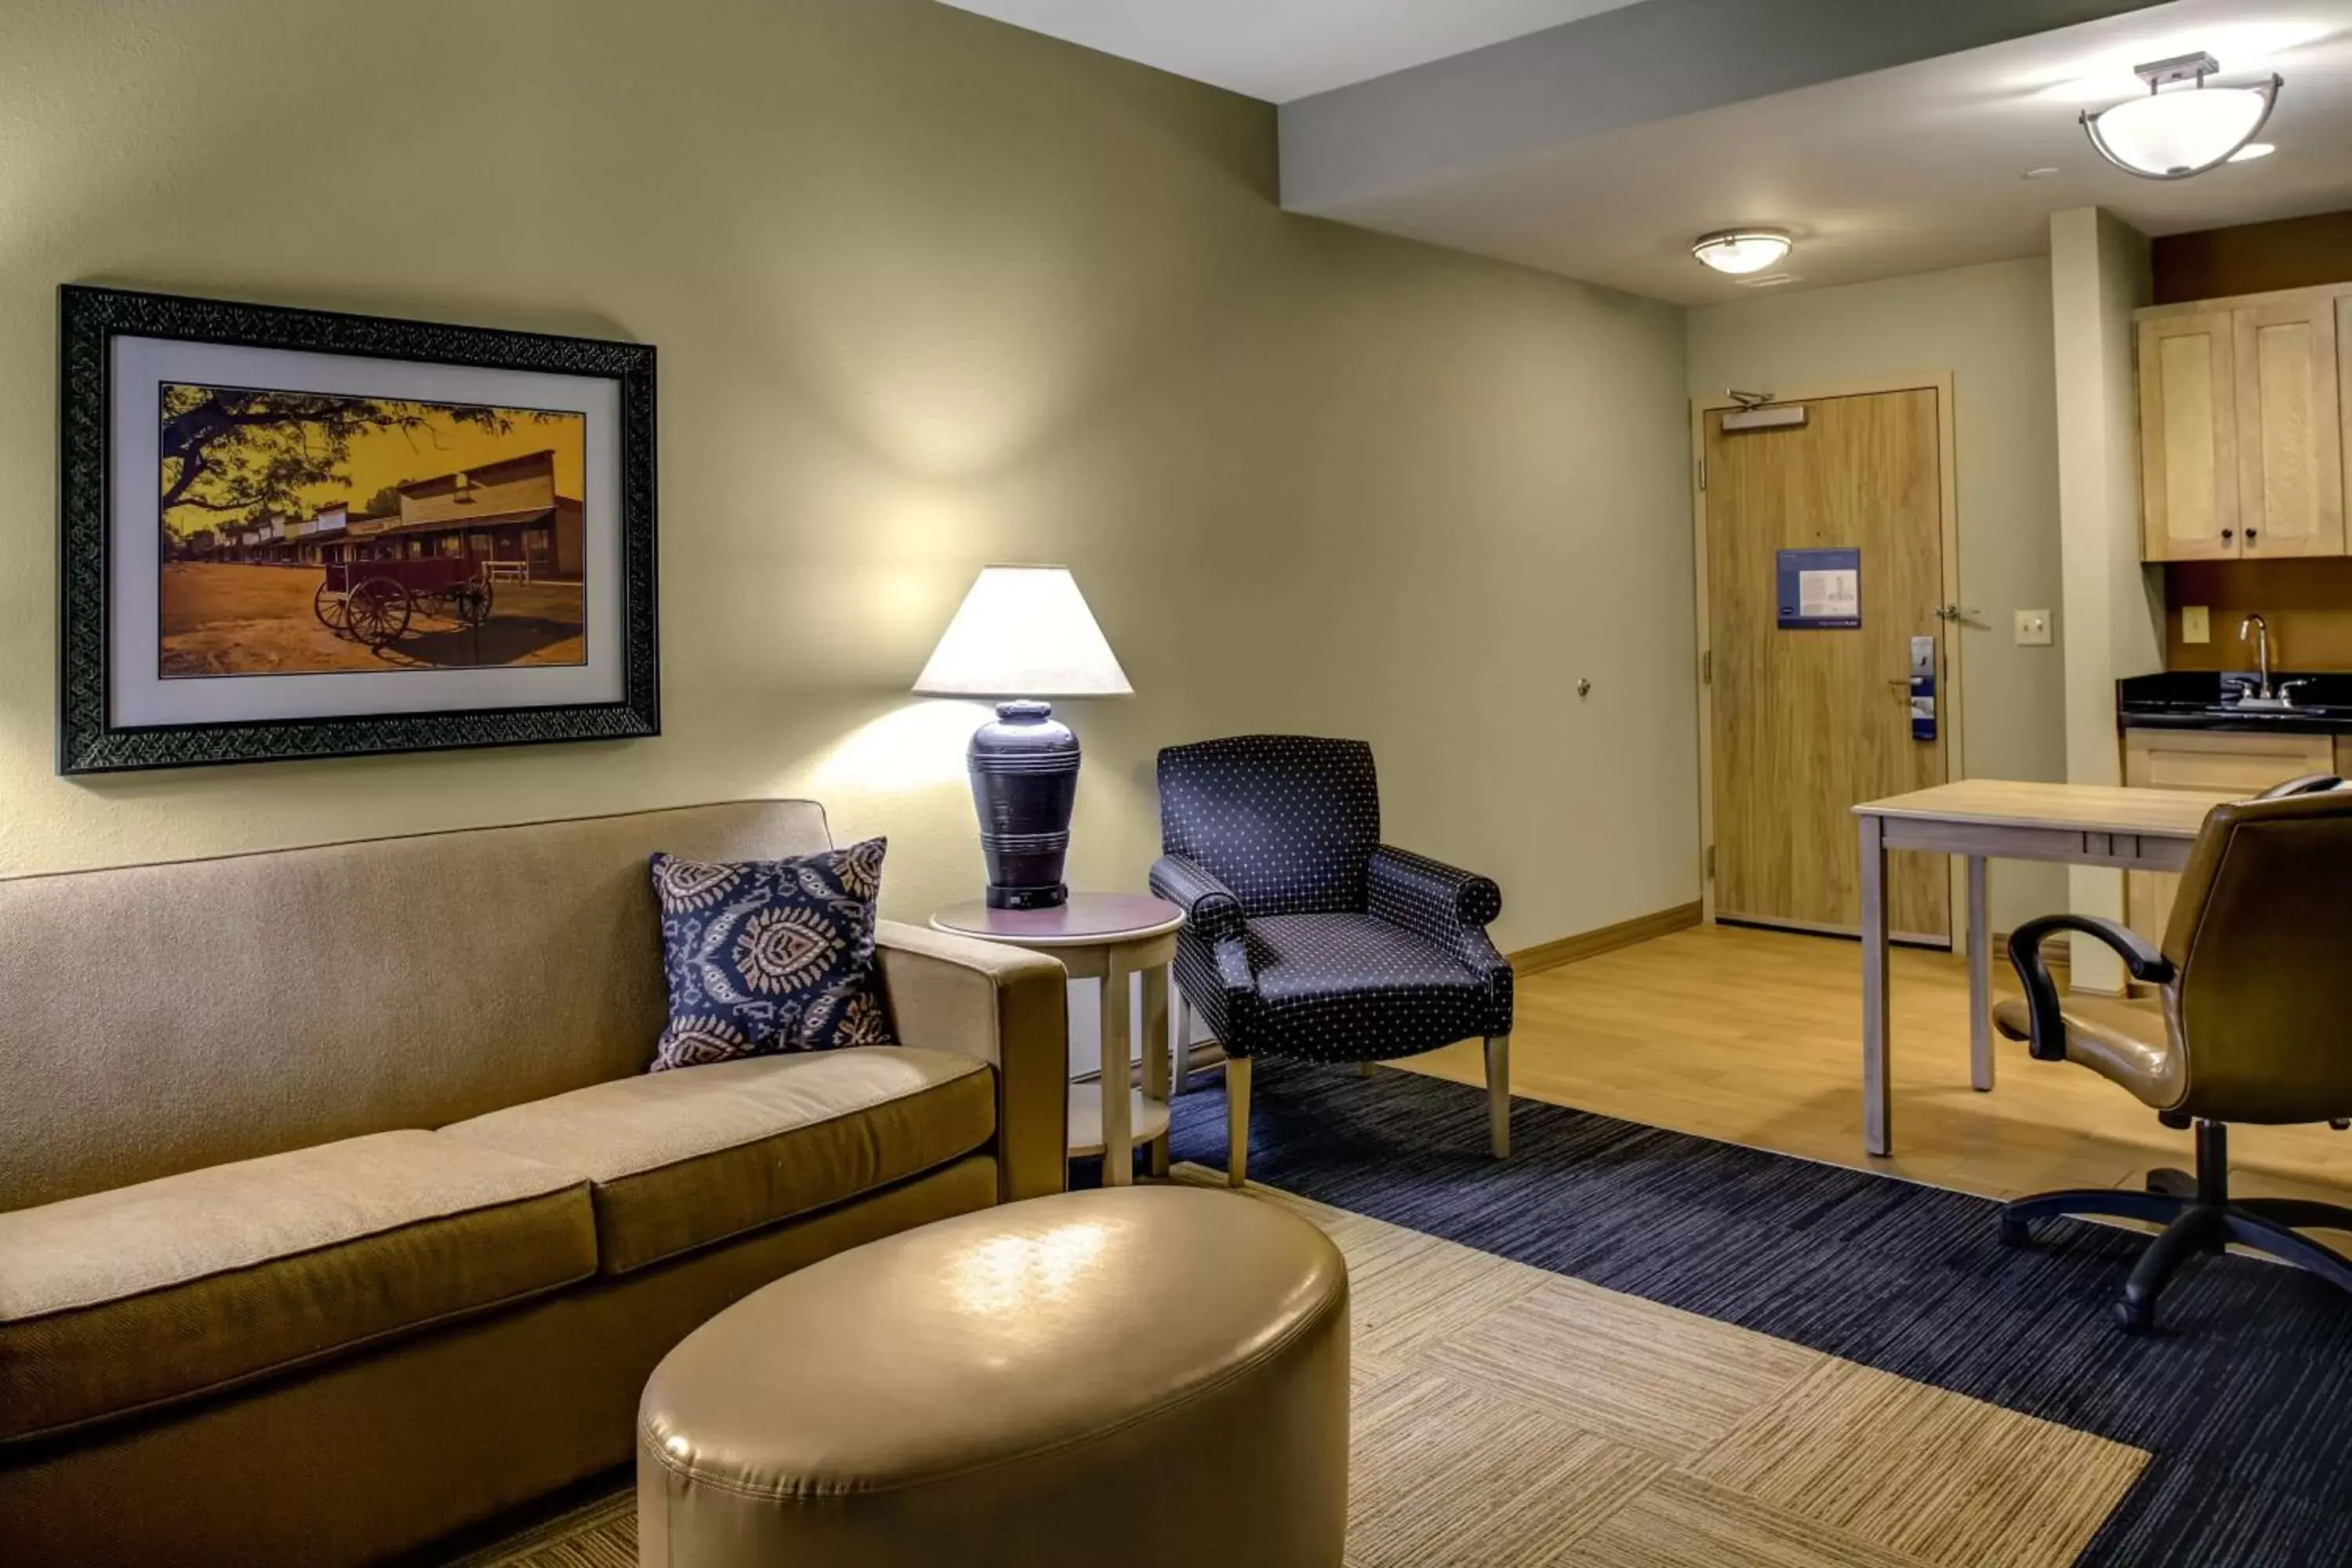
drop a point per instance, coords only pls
(128, 1299)
(769, 955)
(682, 1160)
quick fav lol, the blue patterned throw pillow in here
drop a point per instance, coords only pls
(768, 956)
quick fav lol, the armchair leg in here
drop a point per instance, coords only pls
(1498, 1094)
(1182, 1083)
(1237, 1113)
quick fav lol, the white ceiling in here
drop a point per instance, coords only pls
(1905, 170)
(1279, 51)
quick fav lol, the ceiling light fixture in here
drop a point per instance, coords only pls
(2182, 127)
(1739, 250)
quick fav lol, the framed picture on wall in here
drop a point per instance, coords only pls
(296, 534)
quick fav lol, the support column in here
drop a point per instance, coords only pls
(2113, 607)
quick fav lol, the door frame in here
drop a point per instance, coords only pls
(1948, 707)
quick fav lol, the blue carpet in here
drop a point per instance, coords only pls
(2244, 1397)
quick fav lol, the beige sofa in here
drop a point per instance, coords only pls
(337, 1212)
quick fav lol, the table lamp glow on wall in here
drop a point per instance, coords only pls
(1023, 633)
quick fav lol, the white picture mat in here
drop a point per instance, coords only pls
(137, 695)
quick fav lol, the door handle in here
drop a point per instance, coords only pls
(1954, 613)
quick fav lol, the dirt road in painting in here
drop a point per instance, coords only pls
(249, 619)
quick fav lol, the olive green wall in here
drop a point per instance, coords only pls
(929, 292)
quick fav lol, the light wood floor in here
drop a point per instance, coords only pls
(1755, 1037)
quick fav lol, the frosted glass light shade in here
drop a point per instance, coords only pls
(1741, 250)
(2183, 131)
(1023, 631)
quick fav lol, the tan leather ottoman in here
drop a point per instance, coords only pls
(1146, 1376)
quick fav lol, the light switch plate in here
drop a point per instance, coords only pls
(2196, 624)
(2033, 628)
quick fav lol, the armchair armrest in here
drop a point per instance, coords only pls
(2141, 961)
(1448, 906)
(1008, 1006)
(1210, 907)
(1437, 900)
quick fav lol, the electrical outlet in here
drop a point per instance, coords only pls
(2196, 624)
(2033, 628)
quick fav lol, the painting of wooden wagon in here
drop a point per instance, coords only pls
(373, 601)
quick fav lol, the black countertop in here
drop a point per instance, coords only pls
(2184, 699)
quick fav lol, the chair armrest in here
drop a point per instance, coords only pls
(1008, 1006)
(2141, 961)
(1428, 895)
(1210, 907)
(1449, 907)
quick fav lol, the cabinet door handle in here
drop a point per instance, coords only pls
(2249, 536)
(2228, 534)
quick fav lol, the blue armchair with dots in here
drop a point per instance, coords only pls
(1305, 936)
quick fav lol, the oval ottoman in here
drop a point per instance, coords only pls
(1145, 1377)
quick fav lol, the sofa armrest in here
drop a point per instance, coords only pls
(1008, 1006)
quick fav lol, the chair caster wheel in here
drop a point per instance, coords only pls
(2135, 1316)
(2014, 1231)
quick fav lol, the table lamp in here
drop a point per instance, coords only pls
(1023, 633)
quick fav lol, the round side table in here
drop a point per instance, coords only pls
(1106, 937)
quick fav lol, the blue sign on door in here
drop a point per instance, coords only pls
(1820, 590)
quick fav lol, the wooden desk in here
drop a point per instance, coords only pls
(1982, 819)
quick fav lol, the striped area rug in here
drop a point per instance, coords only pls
(2242, 1404)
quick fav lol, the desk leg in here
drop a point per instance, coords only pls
(1877, 1108)
(1980, 979)
(1155, 1053)
(1118, 1065)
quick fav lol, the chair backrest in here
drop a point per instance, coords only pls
(155, 1019)
(1288, 822)
(2261, 936)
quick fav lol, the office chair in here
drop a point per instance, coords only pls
(2254, 978)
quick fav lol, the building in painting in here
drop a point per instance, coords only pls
(506, 515)
(318, 540)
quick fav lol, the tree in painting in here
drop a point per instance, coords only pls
(227, 449)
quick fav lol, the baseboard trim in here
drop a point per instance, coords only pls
(1608, 938)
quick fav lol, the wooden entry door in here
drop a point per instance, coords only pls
(1804, 723)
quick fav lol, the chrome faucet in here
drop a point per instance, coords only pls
(2261, 630)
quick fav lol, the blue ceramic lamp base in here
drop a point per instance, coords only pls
(1025, 781)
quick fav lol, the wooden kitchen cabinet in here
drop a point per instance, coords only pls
(2243, 412)
(2210, 760)
(2290, 428)
(2189, 436)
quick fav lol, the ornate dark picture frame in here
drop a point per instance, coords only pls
(92, 737)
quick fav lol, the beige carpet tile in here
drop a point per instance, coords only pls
(1508, 1417)
(1924, 1472)
(1681, 1521)
(600, 1535)
(1406, 1290)
(1624, 1368)
(1444, 1474)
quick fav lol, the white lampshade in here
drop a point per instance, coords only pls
(1023, 631)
